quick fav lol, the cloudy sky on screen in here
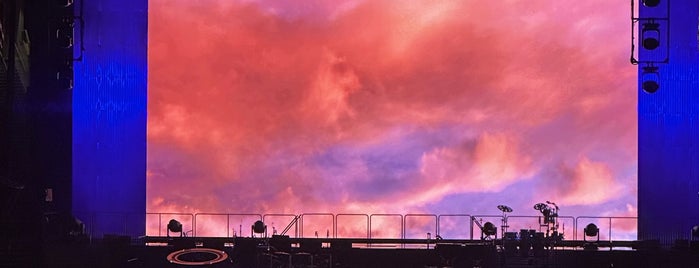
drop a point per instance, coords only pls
(358, 106)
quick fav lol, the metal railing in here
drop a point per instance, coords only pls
(372, 221)
(228, 221)
(443, 218)
(366, 227)
(608, 221)
(160, 221)
(305, 215)
(373, 226)
(292, 217)
(424, 226)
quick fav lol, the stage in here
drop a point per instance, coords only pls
(280, 251)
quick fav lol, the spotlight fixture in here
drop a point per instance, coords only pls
(591, 230)
(175, 227)
(695, 231)
(259, 228)
(651, 20)
(650, 35)
(650, 78)
(650, 86)
(489, 229)
(651, 3)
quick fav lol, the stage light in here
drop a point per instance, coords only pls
(591, 230)
(650, 78)
(695, 231)
(651, 3)
(175, 227)
(650, 86)
(259, 228)
(654, 34)
(489, 229)
(650, 34)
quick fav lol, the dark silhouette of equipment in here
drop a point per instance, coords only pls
(650, 78)
(591, 230)
(488, 230)
(509, 242)
(258, 228)
(175, 227)
(505, 209)
(650, 34)
(651, 3)
(549, 212)
(694, 238)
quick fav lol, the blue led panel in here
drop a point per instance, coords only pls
(109, 118)
(668, 126)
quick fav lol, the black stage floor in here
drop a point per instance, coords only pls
(317, 253)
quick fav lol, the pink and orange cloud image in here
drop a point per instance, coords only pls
(390, 107)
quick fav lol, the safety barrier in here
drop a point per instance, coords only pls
(376, 226)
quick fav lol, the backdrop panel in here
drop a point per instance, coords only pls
(109, 118)
(668, 126)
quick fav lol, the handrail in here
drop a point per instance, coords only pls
(160, 218)
(610, 218)
(288, 226)
(298, 221)
(282, 215)
(352, 214)
(473, 220)
(468, 216)
(228, 220)
(316, 214)
(405, 219)
(386, 215)
(575, 225)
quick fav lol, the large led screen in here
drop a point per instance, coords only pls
(389, 107)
